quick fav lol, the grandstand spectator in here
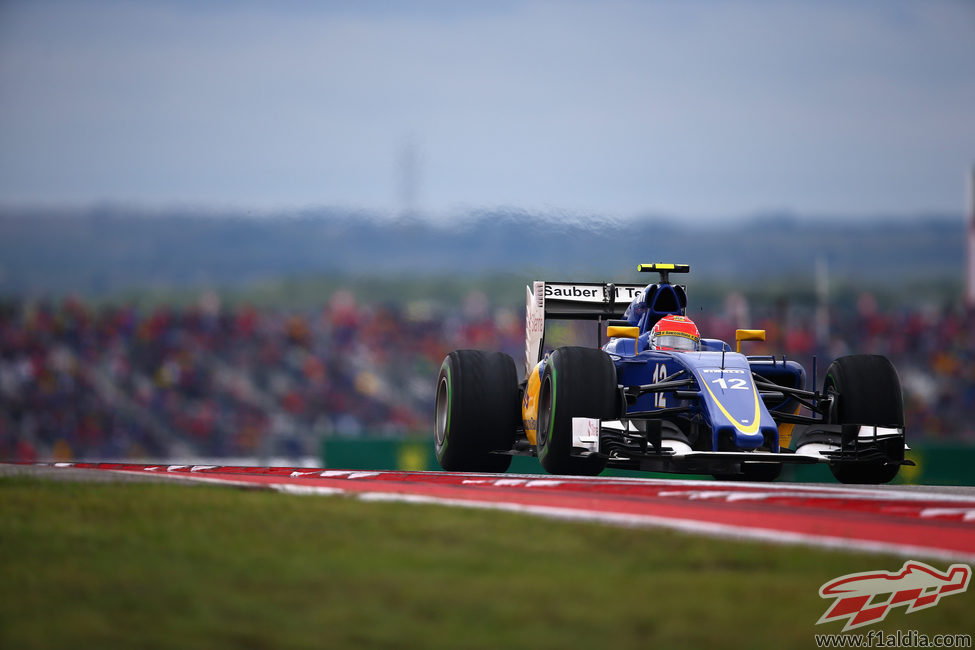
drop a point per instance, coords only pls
(85, 382)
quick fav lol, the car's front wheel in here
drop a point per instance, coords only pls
(866, 391)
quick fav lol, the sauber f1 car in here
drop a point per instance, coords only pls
(658, 397)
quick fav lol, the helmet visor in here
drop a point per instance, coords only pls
(676, 342)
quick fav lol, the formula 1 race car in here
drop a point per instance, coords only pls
(658, 397)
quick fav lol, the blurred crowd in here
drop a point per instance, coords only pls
(79, 381)
(84, 382)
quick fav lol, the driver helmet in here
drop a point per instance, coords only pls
(675, 333)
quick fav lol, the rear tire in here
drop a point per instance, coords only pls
(866, 391)
(478, 410)
(578, 382)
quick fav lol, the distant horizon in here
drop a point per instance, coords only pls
(108, 250)
(458, 216)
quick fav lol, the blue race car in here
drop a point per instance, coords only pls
(658, 397)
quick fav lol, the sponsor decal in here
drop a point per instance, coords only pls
(573, 292)
(684, 334)
(585, 430)
(866, 598)
(590, 293)
(535, 323)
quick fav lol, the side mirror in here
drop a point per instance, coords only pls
(747, 335)
(620, 332)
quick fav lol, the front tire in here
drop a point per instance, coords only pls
(866, 391)
(478, 409)
(578, 382)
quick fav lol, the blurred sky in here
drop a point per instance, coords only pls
(618, 108)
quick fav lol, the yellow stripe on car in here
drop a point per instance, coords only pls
(751, 428)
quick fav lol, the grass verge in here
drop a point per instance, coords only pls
(157, 565)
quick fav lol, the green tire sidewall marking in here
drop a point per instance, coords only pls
(543, 451)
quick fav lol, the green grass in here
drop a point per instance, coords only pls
(159, 565)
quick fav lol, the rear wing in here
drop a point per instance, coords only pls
(596, 301)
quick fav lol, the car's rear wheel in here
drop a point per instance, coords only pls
(578, 382)
(866, 390)
(477, 411)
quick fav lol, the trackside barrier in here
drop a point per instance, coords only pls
(937, 463)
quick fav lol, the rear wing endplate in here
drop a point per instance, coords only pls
(596, 301)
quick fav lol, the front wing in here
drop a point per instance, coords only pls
(627, 448)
